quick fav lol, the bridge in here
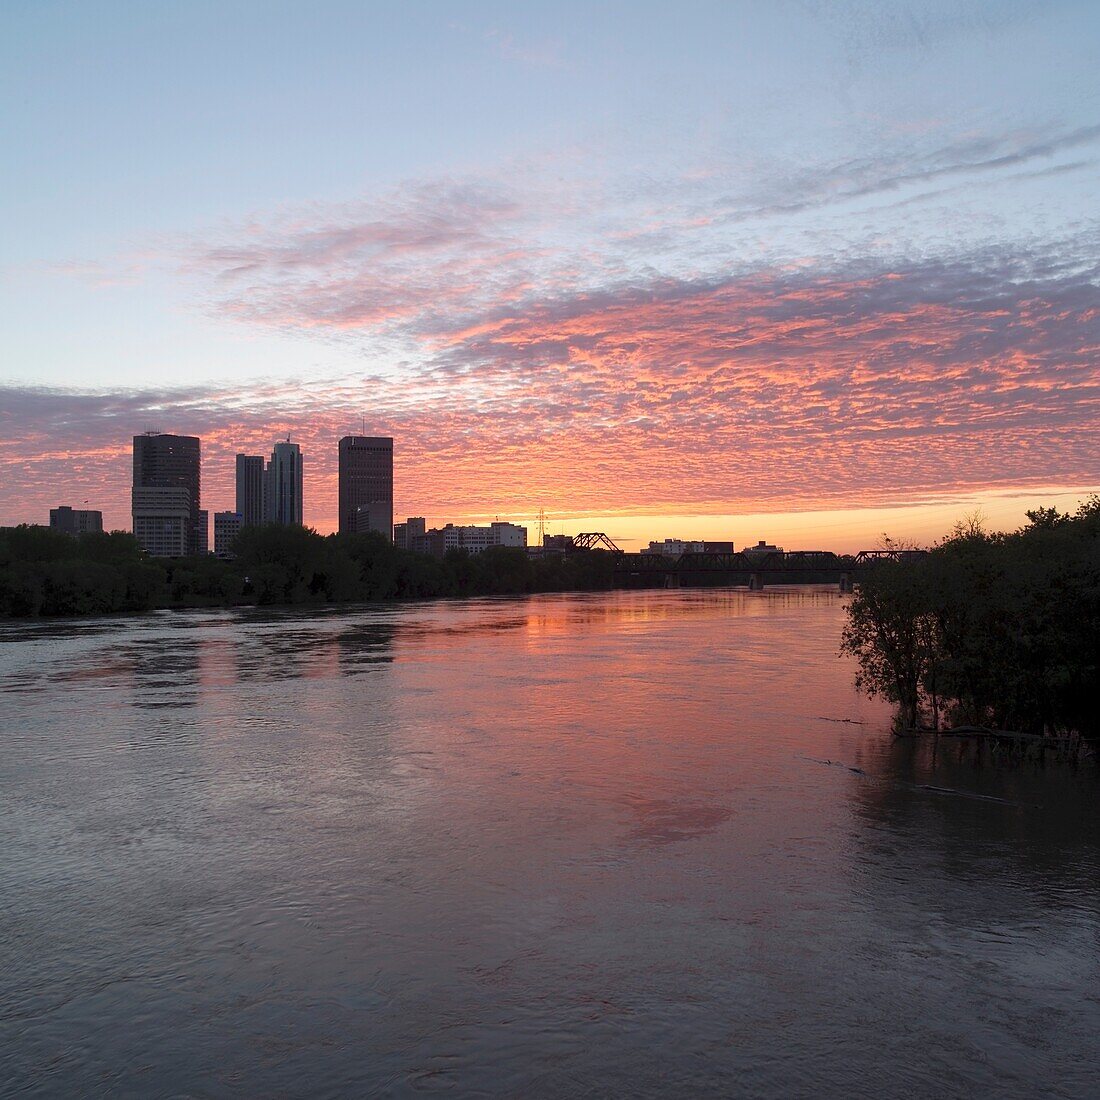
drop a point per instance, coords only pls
(753, 569)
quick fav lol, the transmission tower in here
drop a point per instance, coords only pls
(541, 518)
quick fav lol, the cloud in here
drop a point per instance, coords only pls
(887, 166)
(544, 53)
(434, 255)
(639, 349)
(440, 246)
(773, 389)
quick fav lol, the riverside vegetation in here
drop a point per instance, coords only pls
(994, 634)
(46, 573)
(990, 631)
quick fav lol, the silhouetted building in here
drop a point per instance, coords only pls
(227, 526)
(673, 548)
(558, 542)
(283, 484)
(366, 484)
(202, 542)
(405, 534)
(762, 547)
(250, 490)
(75, 521)
(471, 539)
(162, 520)
(167, 483)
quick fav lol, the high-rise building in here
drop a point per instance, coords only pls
(283, 484)
(227, 526)
(162, 520)
(250, 489)
(165, 503)
(366, 484)
(75, 521)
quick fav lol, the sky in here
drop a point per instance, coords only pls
(806, 271)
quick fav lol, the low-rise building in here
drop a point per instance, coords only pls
(75, 521)
(558, 542)
(673, 548)
(405, 534)
(471, 539)
(762, 547)
(227, 526)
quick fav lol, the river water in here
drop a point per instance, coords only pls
(592, 845)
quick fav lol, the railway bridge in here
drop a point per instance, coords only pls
(754, 570)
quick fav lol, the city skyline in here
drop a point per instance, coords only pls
(832, 530)
(808, 273)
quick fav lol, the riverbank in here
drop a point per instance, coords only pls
(47, 574)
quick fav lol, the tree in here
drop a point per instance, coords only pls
(989, 629)
(890, 634)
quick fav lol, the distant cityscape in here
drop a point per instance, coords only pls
(169, 520)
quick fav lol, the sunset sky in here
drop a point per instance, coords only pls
(801, 271)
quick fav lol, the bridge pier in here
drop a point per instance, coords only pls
(756, 583)
(845, 582)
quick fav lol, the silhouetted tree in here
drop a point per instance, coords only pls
(989, 629)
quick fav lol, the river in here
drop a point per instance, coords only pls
(580, 845)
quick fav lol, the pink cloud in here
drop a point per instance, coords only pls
(770, 391)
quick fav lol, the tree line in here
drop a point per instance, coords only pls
(46, 573)
(992, 630)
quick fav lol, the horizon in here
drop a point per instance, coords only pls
(804, 274)
(921, 524)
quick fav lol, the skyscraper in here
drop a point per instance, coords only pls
(250, 489)
(168, 520)
(283, 486)
(366, 484)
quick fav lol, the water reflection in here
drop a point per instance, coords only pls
(1039, 821)
(604, 844)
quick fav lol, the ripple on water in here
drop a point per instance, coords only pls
(641, 844)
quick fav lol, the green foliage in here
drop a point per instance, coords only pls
(993, 630)
(43, 572)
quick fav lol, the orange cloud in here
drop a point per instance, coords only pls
(771, 391)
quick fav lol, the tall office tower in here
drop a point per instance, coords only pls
(366, 484)
(250, 489)
(165, 503)
(283, 492)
